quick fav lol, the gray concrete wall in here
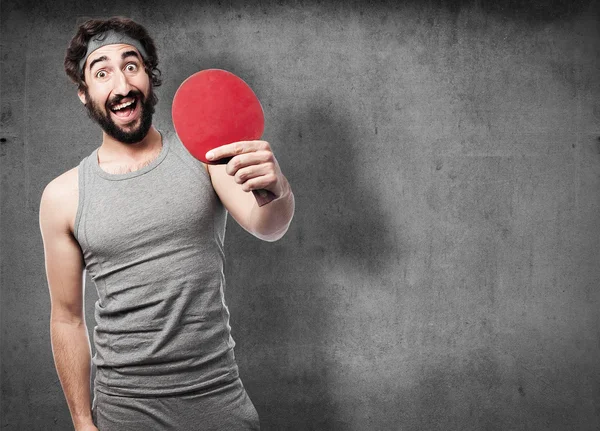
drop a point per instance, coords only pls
(442, 271)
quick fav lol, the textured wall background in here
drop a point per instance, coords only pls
(443, 268)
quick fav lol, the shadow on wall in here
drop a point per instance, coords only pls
(341, 221)
(291, 323)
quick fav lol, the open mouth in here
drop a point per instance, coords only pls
(124, 110)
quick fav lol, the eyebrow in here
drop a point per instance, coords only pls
(125, 55)
(97, 60)
(129, 54)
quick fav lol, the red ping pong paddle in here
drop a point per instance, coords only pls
(214, 107)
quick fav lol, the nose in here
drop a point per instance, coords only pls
(122, 86)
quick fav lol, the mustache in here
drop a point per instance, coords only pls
(133, 94)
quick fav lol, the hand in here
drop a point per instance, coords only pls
(253, 165)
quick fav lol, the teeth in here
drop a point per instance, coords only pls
(122, 105)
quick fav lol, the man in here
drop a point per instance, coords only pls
(147, 221)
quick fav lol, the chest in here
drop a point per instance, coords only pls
(163, 209)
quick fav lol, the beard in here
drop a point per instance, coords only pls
(130, 135)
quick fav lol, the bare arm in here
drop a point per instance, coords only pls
(68, 331)
(253, 167)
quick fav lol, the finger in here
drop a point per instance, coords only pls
(250, 172)
(249, 159)
(259, 183)
(236, 148)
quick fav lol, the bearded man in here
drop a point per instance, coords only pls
(147, 221)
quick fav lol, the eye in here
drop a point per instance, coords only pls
(131, 67)
(101, 74)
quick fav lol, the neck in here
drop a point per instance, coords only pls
(112, 149)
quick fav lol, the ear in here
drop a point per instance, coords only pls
(81, 95)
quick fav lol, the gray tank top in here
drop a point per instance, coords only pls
(152, 241)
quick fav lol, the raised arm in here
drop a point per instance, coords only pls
(253, 167)
(68, 331)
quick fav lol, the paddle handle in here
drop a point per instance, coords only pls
(263, 197)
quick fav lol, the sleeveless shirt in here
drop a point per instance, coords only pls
(152, 241)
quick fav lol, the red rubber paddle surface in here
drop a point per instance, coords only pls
(214, 107)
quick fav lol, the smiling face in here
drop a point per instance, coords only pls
(118, 94)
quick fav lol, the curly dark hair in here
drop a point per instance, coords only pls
(78, 47)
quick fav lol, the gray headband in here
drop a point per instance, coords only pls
(111, 37)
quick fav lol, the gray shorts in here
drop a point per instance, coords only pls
(227, 407)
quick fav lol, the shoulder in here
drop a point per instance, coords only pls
(60, 199)
(177, 146)
(63, 186)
